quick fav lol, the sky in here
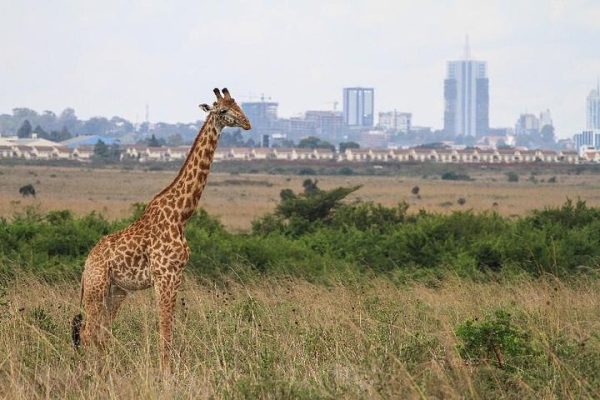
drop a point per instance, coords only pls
(110, 57)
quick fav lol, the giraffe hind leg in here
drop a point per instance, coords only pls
(97, 317)
(115, 300)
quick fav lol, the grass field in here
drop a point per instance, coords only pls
(292, 339)
(239, 198)
(249, 334)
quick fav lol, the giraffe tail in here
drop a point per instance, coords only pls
(77, 323)
(76, 330)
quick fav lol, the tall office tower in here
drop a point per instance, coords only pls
(466, 95)
(593, 108)
(263, 116)
(359, 106)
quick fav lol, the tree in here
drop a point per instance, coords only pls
(313, 206)
(175, 140)
(25, 130)
(24, 113)
(348, 145)
(96, 126)
(101, 150)
(69, 120)
(313, 142)
(232, 139)
(310, 186)
(40, 132)
(154, 142)
(547, 133)
(59, 136)
(114, 152)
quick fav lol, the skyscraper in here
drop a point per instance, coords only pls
(263, 115)
(593, 108)
(466, 95)
(358, 106)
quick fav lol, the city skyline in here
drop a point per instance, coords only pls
(113, 59)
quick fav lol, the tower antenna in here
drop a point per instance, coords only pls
(467, 48)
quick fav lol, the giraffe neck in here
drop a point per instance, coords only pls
(183, 194)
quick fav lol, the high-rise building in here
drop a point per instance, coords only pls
(395, 121)
(358, 106)
(328, 124)
(527, 124)
(586, 140)
(262, 115)
(593, 109)
(466, 95)
(545, 119)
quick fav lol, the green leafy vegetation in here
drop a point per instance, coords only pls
(512, 176)
(455, 176)
(496, 339)
(320, 233)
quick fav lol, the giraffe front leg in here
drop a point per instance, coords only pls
(166, 295)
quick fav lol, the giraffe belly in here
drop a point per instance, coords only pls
(130, 276)
(141, 280)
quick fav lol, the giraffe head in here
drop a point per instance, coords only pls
(226, 110)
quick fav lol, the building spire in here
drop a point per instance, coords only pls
(467, 48)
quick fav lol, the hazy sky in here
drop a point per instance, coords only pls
(113, 57)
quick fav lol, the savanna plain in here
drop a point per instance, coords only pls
(474, 287)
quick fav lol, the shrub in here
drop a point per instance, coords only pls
(415, 190)
(346, 171)
(461, 201)
(495, 339)
(453, 176)
(307, 171)
(512, 176)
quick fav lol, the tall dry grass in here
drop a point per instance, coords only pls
(238, 199)
(279, 338)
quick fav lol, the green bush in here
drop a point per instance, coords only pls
(497, 340)
(347, 171)
(512, 176)
(454, 176)
(317, 234)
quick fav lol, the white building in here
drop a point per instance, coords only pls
(593, 109)
(395, 121)
(527, 124)
(466, 95)
(586, 140)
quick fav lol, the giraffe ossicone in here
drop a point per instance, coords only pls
(152, 251)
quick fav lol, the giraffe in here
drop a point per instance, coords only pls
(152, 251)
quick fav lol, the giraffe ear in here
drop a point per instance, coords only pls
(205, 107)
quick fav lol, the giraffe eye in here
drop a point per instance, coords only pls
(223, 111)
